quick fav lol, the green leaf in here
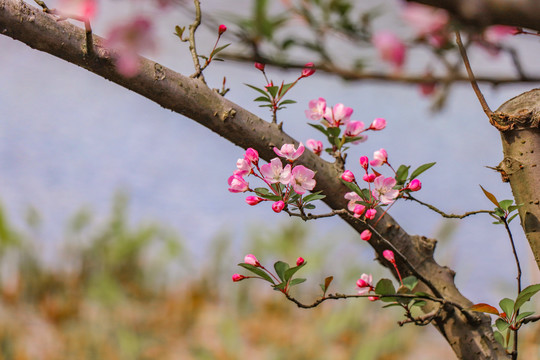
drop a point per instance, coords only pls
(385, 287)
(257, 271)
(216, 50)
(272, 90)
(280, 286)
(257, 89)
(526, 294)
(334, 131)
(285, 102)
(419, 303)
(485, 308)
(296, 281)
(421, 169)
(320, 128)
(315, 196)
(514, 207)
(490, 196)
(179, 31)
(507, 305)
(263, 98)
(280, 268)
(309, 206)
(505, 204)
(512, 217)
(499, 337)
(410, 282)
(501, 324)
(499, 212)
(402, 174)
(391, 305)
(523, 315)
(352, 187)
(290, 272)
(284, 88)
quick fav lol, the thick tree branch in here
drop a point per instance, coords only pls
(190, 97)
(481, 13)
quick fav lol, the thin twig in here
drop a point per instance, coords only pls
(309, 216)
(422, 320)
(445, 215)
(474, 84)
(192, 47)
(529, 319)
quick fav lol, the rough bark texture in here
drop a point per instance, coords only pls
(481, 13)
(520, 117)
(470, 337)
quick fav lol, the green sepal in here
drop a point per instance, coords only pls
(257, 271)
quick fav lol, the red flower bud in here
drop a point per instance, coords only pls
(299, 261)
(222, 29)
(259, 66)
(309, 69)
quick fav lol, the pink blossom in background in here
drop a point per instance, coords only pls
(299, 261)
(302, 179)
(389, 255)
(383, 190)
(315, 145)
(391, 49)
(278, 206)
(253, 200)
(128, 40)
(308, 70)
(364, 162)
(379, 157)
(428, 88)
(425, 20)
(237, 184)
(365, 235)
(365, 283)
(289, 152)
(353, 198)
(370, 214)
(83, 8)
(259, 66)
(338, 115)
(415, 185)
(274, 172)
(317, 109)
(369, 178)
(348, 176)
(238, 277)
(495, 34)
(378, 124)
(251, 260)
(373, 298)
(354, 128)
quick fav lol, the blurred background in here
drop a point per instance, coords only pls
(118, 236)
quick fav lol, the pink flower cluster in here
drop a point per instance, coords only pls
(282, 181)
(365, 284)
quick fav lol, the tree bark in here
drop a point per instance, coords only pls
(519, 120)
(469, 334)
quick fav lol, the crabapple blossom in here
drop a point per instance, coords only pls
(238, 277)
(308, 70)
(128, 40)
(83, 8)
(391, 48)
(494, 34)
(354, 128)
(300, 261)
(278, 206)
(359, 210)
(260, 66)
(389, 255)
(348, 176)
(251, 260)
(378, 124)
(353, 198)
(425, 20)
(338, 115)
(365, 283)
(302, 179)
(315, 145)
(252, 155)
(243, 166)
(373, 298)
(383, 190)
(364, 162)
(253, 200)
(379, 158)
(289, 152)
(370, 214)
(237, 184)
(369, 178)
(274, 172)
(415, 185)
(222, 28)
(317, 109)
(365, 235)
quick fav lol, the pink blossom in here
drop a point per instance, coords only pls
(316, 110)
(391, 48)
(365, 235)
(278, 206)
(309, 69)
(378, 124)
(369, 178)
(380, 157)
(252, 155)
(373, 298)
(348, 176)
(82, 8)
(415, 185)
(274, 172)
(370, 214)
(237, 184)
(251, 260)
(389, 255)
(222, 28)
(289, 152)
(302, 179)
(243, 166)
(238, 277)
(128, 40)
(358, 210)
(338, 115)
(299, 261)
(253, 200)
(315, 145)
(365, 283)
(428, 88)
(353, 198)
(495, 34)
(384, 191)
(364, 162)
(259, 66)
(354, 128)
(425, 20)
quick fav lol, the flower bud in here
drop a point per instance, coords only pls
(238, 277)
(369, 178)
(348, 176)
(378, 124)
(370, 214)
(251, 260)
(365, 235)
(309, 69)
(300, 261)
(415, 185)
(389, 255)
(260, 66)
(252, 155)
(361, 283)
(222, 29)
(359, 210)
(253, 200)
(373, 298)
(278, 206)
(364, 162)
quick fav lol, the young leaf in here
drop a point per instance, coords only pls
(505, 204)
(353, 187)
(257, 89)
(284, 88)
(290, 272)
(263, 98)
(285, 102)
(410, 282)
(526, 294)
(313, 197)
(512, 217)
(326, 284)
(385, 287)
(218, 50)
(272, 90)
(390, 305)
(179, 31)
(501, 324)
(523, 315)
(402, 174)
(421, 169)
(296, 281)
(499, 338)
(280, 268)
(485, 308)
(419, 303)
(320, 128)
(490, 196)
(257, 271)
(507, 305)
